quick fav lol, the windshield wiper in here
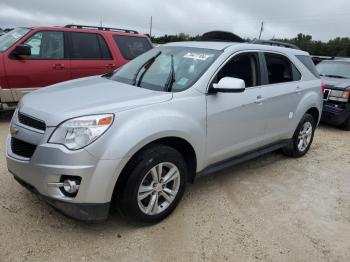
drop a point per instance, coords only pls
(335, 76)
(147, 64)
(171, 78)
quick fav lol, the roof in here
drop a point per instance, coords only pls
(204, 44)
(337, 60)
(227, 45)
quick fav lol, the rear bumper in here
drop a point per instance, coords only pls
(335, 115)
(84, 212)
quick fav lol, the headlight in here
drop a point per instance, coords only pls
(341, 96)
(79, 132)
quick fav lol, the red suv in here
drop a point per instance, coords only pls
(31, 58)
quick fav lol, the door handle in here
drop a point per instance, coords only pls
(58, 66)
(259, 100)
(298, 90)
(110, 66)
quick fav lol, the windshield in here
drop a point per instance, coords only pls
(9, 39)
(334, 69)
(167, 68)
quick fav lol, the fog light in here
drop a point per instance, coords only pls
(70, 186)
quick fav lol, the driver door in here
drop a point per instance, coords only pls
(236, 122)
(47, 64)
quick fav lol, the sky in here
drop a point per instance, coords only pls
(323, 19)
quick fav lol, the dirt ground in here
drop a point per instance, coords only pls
(269, 209)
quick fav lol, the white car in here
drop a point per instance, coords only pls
(132, 139)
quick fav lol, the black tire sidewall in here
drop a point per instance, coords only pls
(147, 160)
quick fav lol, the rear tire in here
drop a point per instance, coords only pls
(156, 183)
(302, 138)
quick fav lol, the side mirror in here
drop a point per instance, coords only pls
(229, 85)
(22, 51)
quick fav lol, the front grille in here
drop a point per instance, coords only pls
(31, 122)
(22, 148)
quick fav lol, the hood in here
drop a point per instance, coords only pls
(336, 83)
(91, 95)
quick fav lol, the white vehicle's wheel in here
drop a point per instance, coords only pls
(155, 185)
(302, 138)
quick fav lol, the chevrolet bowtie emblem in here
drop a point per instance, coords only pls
(13, 130)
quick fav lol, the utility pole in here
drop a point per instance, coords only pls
(150, 27)
(101, 22)
(261, 29)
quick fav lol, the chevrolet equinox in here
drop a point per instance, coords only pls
(133, 138)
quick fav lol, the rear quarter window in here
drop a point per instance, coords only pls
(280, 69)
(132, 46)
(307, 61)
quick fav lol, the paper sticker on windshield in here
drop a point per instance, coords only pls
(198, 56)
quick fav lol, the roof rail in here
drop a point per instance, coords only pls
(101, 28)
(274, 43)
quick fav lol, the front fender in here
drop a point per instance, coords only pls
(134, 129)
(184, 117)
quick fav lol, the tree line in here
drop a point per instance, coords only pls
(339, 46)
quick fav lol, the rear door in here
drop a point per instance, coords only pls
(47, 65)
(89, 54)
(281, 94)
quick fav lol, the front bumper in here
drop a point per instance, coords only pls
(50, 162)
(94, 196)
(335, 114)
(84, 212)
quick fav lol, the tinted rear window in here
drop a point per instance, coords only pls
(307, 61)
(279, 68)
(132, 46)
(89, 46)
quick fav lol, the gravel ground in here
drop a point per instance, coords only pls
(269, 209)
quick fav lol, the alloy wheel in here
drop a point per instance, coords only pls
(159, 188)
(305, 136)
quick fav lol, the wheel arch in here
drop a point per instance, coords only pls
(314, 112)
(180, 144)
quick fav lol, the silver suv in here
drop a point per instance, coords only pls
(132, 139)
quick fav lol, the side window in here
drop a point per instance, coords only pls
(132, 46)
(105, 53)
(280, 69)
(88, 46)
(243, 66)
(46, 45)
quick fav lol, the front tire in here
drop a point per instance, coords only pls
(302, 138)
(155, 185)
